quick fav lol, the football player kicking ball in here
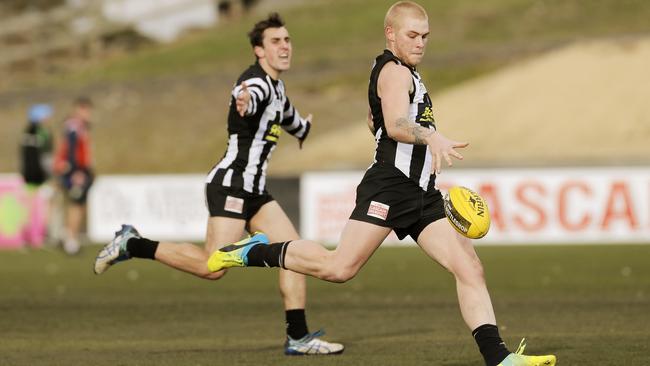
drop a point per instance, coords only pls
(397, 193)
(236, 187)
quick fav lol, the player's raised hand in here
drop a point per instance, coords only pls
(308, 119)
(243, 99)
(443, 148)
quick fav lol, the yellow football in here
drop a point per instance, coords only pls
(467, 212)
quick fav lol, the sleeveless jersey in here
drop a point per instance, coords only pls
(414, 161)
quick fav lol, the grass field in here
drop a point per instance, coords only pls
(587, 304)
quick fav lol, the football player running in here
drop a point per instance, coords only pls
(236, 192)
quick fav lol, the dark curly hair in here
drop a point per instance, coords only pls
(256, 34)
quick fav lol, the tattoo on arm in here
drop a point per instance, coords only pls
(418, 132)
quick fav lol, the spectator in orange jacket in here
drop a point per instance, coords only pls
(73, 166)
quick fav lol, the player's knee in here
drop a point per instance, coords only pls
(471, 271)
(476, 269)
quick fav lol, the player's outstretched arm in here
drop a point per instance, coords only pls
(308, 121)
(250, 94)
(293, 123)
(394, 85)
(243, 99)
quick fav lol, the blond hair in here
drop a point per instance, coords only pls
(401, 8)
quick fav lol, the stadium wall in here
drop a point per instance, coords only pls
(22, 213)
(528, 206)
(166, 207)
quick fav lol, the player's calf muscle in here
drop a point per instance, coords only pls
(341, 274)
(337, 271)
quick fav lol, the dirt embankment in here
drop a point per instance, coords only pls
(586, 103)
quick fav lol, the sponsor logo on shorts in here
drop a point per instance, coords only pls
(378, 210)
(234, 204)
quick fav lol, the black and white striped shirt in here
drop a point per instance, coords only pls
(414, 161)
(253, 138)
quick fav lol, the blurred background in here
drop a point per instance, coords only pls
(526, 82)
(551, 94)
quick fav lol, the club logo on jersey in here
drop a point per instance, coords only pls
(234, 204)
(273, 133)
(427, 115)
(378, 210)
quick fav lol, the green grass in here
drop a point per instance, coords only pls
(587, 304)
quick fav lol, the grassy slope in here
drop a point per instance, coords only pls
(162, 97)
(331, 35)
(586, 304)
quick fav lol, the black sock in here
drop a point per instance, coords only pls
(296, 323)
(490, 344)
(142, 248)
(271, 255)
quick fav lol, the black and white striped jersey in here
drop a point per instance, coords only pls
(414, 161)
(253, 138)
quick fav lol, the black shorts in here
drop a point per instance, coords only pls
(386, 197)
(74, 191)
(235, 203)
